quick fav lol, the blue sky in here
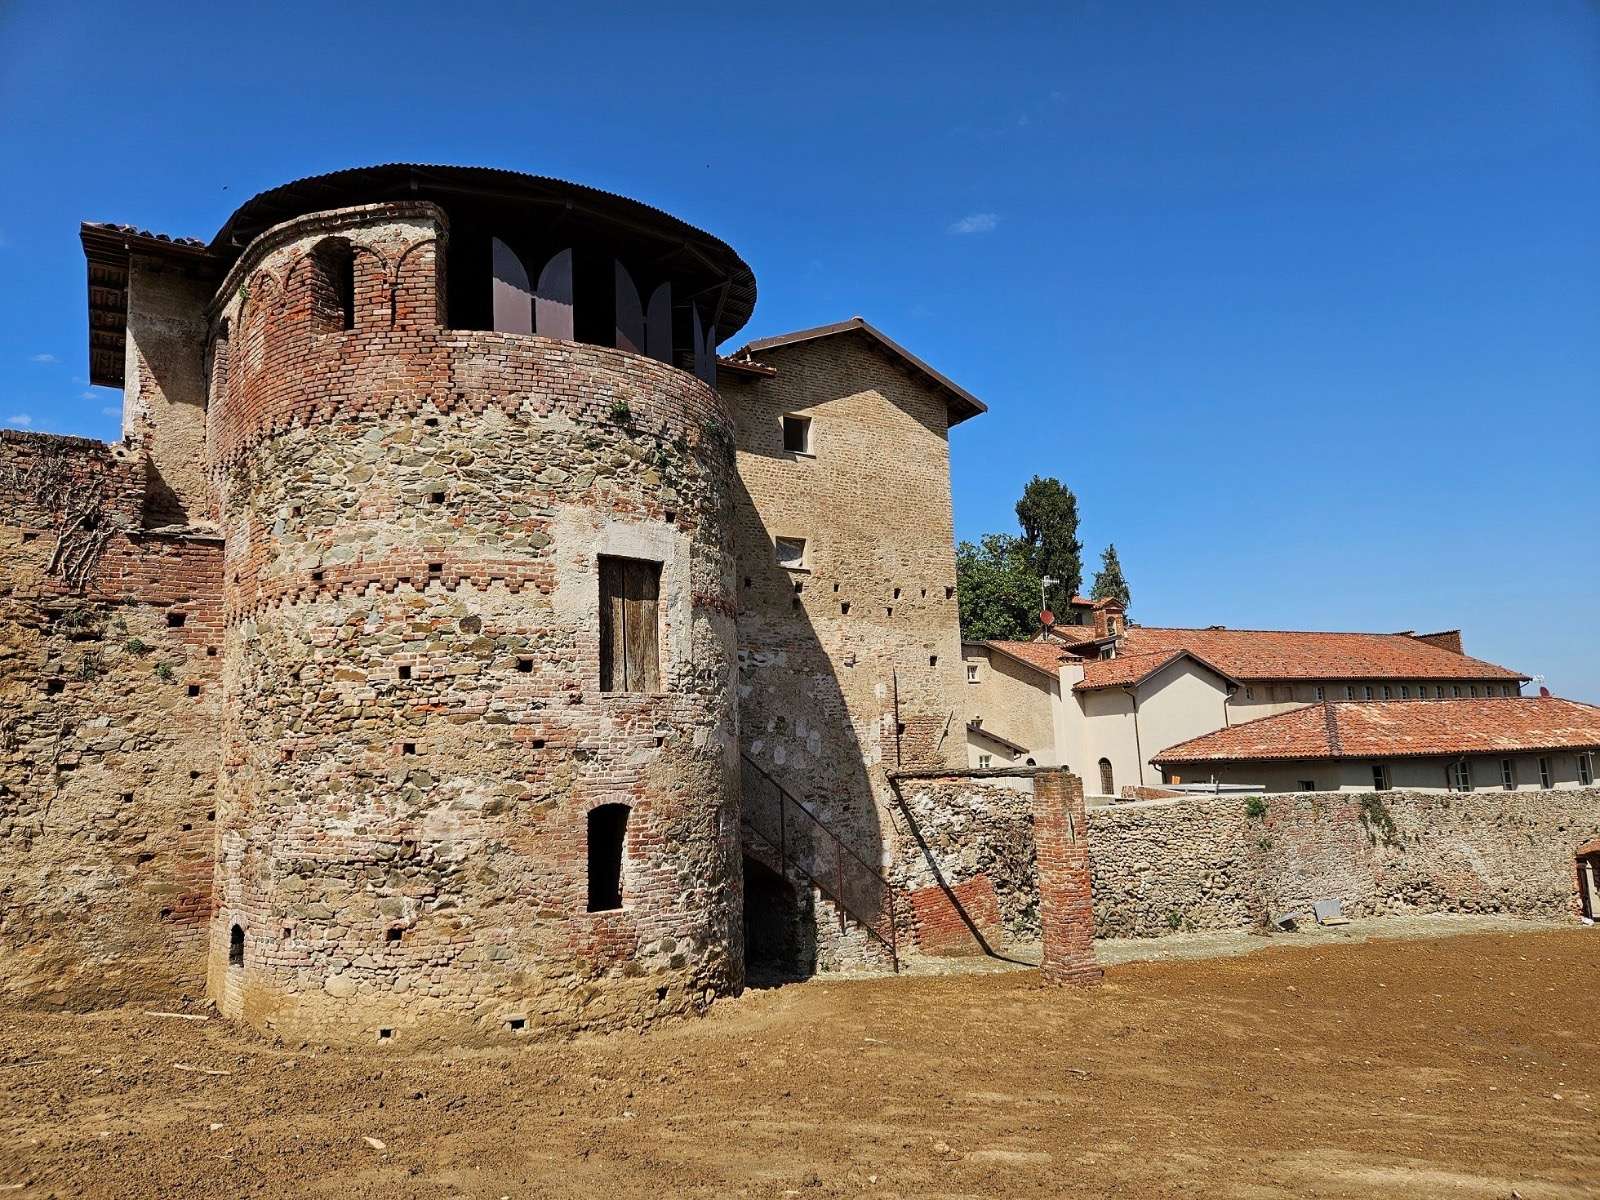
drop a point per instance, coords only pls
(1302, 300)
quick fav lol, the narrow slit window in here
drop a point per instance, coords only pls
(630, 616)
(236, 946)
(1545, 774)
(608, 831)
(797, 435)
(1585, 769)
(1508, 775)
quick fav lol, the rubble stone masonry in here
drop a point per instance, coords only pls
(414, 731)
(1222, 863)
(110, 643)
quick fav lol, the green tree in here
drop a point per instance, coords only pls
(1108, 581)
(997, 588)
(1048, 512)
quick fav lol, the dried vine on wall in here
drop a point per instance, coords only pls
(67, 502)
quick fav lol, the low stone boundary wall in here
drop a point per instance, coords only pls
(1226, 862)
(951, 831)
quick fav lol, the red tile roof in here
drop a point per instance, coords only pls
(1268, 654)
(1400, 729)
(1127, 669)
(1042, 656)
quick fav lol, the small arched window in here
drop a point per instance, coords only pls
(333, 286)
(608, 830)
(236, 946)
(1107, 783)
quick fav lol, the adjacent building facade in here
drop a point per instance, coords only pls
(1521, 744)
(1121, 695)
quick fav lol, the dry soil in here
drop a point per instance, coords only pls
(1464, 1066)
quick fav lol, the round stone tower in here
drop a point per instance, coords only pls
(480, 765)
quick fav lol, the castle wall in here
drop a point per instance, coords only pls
(849, 667)
(164, 407)
(414, 731)
(109, 661)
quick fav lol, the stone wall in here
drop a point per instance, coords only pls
(109, 709)
(1213, 863)
(415, 733)
(950, 832)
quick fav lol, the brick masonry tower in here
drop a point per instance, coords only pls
(479, 761)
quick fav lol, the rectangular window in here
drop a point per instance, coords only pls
(1405, 691)
(1585, 769)
(1380, 777)
(797, 435)
(1367, 692)
(1474, 690)
(1249, 693)
(1388, 692)
(1438, 692)
(1508, 775)
(1545, 774)
(1349, 693)
(1308, 785)
(1455, 691)
(1461, 776)
(630, 601)
(972, 672)
(1320, 695)
(983, 761)
(791, 553)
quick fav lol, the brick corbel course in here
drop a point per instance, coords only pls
(1066, 899)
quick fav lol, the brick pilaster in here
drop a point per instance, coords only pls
(1066, 900)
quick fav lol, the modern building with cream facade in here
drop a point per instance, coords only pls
(1118, 695)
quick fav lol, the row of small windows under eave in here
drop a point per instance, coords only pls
(548, 306)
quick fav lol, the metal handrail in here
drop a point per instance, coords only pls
(780, 841)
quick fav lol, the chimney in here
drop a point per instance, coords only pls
(1449, 639)
(1108, 619)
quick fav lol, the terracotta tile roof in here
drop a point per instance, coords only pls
(1127, 669)
(1400, 729)
(1267, 654)
(1042, 656)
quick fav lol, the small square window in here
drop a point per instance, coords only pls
(435, 497)
(791, 553)
(1308, 785)
(194, 689)
(404, 671)
(175, 620)
(797, 435)
(983, 761)
(408, 747)
(524, 664)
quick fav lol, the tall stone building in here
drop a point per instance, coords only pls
(392, 668)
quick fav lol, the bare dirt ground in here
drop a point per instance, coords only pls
(1463, 1066)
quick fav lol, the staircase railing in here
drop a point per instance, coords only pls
(804, 843)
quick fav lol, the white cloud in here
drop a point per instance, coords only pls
(44, 358)
(20, 420)
(975, 223)
(111, 410)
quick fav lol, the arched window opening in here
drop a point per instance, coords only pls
(236, 946)
(608, 829)
(513, 295)
(1107, 783)
(333, 286)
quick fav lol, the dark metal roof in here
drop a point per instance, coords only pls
(963, 404)
(630, 220)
